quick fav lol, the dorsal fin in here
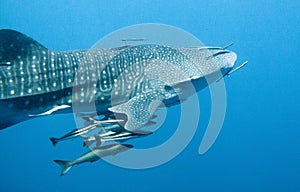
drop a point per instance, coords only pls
(15, 45)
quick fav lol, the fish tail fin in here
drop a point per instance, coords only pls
(65, 166)
(86, 141)
(54, 141)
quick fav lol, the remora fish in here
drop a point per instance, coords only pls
(36, 81)
(73, 134)
(93, 156)
(120, 136)
(84, 130)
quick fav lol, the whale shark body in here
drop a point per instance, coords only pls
(129, 80)
(124, 85)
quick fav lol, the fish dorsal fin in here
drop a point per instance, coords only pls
(16, 46)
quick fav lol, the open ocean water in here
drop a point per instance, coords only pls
(258, 146)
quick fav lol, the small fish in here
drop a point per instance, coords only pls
(120, 136)
(134, 39)
(93, 156)
(125, 135)
(73, 134)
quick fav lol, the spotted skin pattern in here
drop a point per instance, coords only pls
(34, 79)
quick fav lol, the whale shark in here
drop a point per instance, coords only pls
(129, 80)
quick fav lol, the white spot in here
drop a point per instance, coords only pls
(34, 57)
(70, 101)
(54, 84)
(52, 110)
(39, 89)
(29, 90)
(12, 92)
(69, 80)
(11, 81)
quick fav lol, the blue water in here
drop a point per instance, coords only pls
(258, 147)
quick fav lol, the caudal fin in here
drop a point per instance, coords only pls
(54, 141)
(65, 166)
(86, 141)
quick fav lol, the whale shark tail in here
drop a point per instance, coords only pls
(65, 166)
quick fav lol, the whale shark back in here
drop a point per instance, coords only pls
(15, 46)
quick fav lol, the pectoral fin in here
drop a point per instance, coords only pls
(140, 109)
